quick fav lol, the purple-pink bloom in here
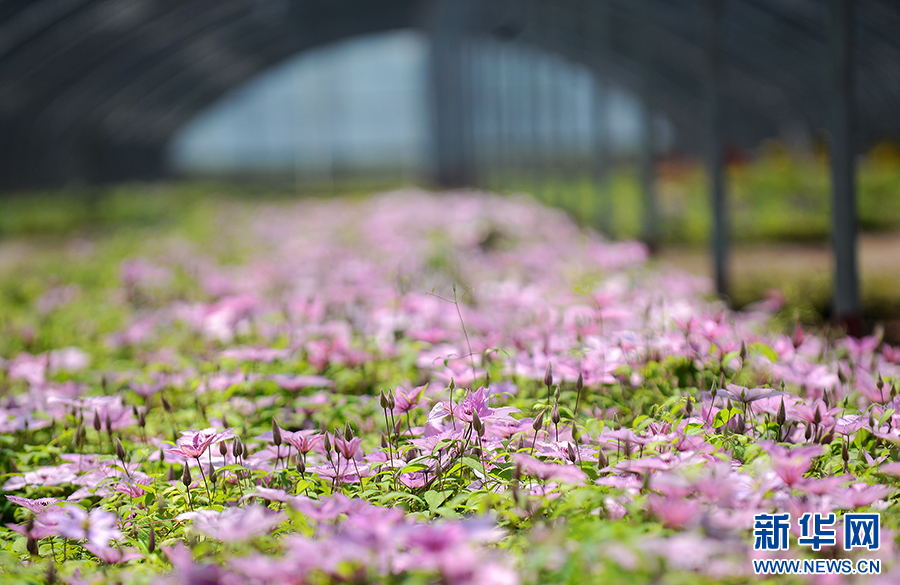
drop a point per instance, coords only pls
(97, 526)
(234, 524)
(193, 444)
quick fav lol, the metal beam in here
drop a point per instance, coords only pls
(715, 163)
(847, 307)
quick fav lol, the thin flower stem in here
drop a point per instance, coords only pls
(203, 475)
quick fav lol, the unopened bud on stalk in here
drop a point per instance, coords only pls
(817, 416)
(548, 375)
(238, 447)
(828, 438)
(167, 406)
(151, 541)
(808, 433)
(871, 420)
(97, 424)
(171, 475)
(186, 476)
(301, 465)
(538, 422)
(384, 441)
(476, 422)
(348, 432)
(223, 449)
(276, 433)
(382, 400)
(452, 385)
(398, 426)
(142, 420)
(211, 472)
(225, 421)
(880, 383)
(576, 434)
(487, 379)
(327, 443)
(841, 376)
(31, 546)
(570, 451)
(781, 416)
(517, 472)
(743, 351)
(391, 402)
(602, 461)
(108, 424)
(120, 451)
(845, 453)
(689, 406)
(579, 383)
(554, 414)
(556, 394)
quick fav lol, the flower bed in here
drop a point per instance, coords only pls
(455, 388)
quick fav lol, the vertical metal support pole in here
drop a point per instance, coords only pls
(646, 163)
(445, 27)
(847, 306)
(597, 19)
(715, 136)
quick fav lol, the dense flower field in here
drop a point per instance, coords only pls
(421, 388)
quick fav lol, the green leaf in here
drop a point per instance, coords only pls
(764, 349)
(435, 498)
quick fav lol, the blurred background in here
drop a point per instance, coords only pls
(751, 140)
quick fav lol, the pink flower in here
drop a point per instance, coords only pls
(193, 444)
(35, 506)
(234, 524)
(97, 526)
(550, 471)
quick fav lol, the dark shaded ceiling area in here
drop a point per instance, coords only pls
(94, 90)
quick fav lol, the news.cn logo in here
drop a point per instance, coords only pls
(860, 531)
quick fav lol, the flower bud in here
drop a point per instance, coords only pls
(301, 465)
(538, 422)
(382, 400)
(476, 422)
(548, 375)
(880, 383)
(120, 450)
(570, 451)
(211, 473)
(781, 416)
(576, 434)
(391, 402)
(845, 453)
(689, 406)
(602, 461)
(348, 432)
(225, 421)
(167, 406)
(452, 385)
(223, 449)
(554, 414)
(384, 441)
(276, 433)
(171, 474)
(97, 425)
(151, 541)
(238, 448)
(31, 546)
(186, 476)
(142, 420)
(579, 383)
(743, 351)
(487, 379)
(108, 423)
